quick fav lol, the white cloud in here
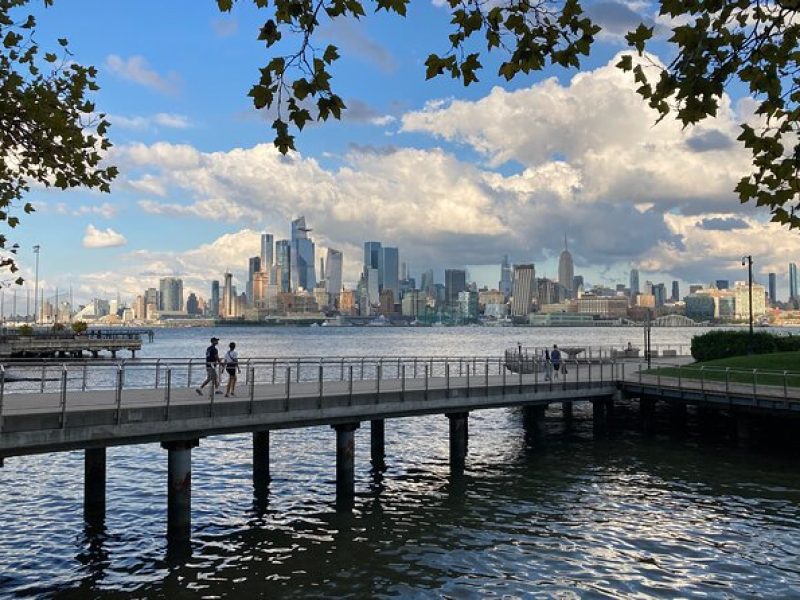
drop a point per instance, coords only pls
(141, 123)
(137, 70)
(102, 238)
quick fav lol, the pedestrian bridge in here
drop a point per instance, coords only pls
(50, 407)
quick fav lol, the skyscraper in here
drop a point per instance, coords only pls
(391, 271)
(793, 282)
(228, 293)
(634, 282)
(267, 245)
(427, 283)
(283, 265)
(773, 288)
(253, 267)
(303, 270)
(333, 273)
(676, 291)
(373, 258)
(455, 281)
(524, 290)
(171, 289)
(192, 305)
(566, 269)
(214, 306)
(723, 284)
(504, 284)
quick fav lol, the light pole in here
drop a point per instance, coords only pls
(748, 260)
(36, 285)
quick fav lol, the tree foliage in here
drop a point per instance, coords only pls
(49, 132)
(715, 43)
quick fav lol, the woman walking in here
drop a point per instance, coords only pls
(232, 367)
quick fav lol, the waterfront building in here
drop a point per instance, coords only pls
(547, 291)
(694, 288)
(524, 290)
(676, 291)
(468, 306)
(742, 306)
(333, 274)
(391, 271)
(283, 265)
(302, 266)
(413, 304)
(347, 302)
(321, 296)
(494, 310)
(214, 304)
(386, 303)
(171, 294)
(700, 307)
(723, 284)
(455, 281)
(793, 283)
(608, 307)
(490, 297)
(139, 311)
(566, 270)
(773, 288)
(646, 300)
(505, 283)
(634, 282)
(373, 259)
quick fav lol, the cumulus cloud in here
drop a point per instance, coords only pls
(102, 238)
(140, 123)
(137, 70)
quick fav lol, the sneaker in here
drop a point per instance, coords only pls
(227, 396)
(199, 391)
(218, 392)
(232, 394)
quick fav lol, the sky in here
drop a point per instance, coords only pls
(450, 175)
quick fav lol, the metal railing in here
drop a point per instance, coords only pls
(609, 352)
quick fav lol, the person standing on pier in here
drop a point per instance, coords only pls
(232, 367)
(547, 365)
(212, 361)
(555, 358)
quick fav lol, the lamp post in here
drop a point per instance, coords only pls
(748, 260)
(36, 249)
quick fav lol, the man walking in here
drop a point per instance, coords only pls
(555, 358)
(212, 361)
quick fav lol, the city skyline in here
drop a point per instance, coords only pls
(443, 172)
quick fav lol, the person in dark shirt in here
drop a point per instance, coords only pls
(212, 361)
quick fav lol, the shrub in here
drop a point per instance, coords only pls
(724, 344)
(79, 327)
(25, 330)
(58, 327)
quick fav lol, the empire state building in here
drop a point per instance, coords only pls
(566, 270)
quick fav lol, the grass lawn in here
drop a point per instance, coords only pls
(741, 369)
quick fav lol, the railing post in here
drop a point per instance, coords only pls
(158, 372)
(252, 388)
(520, 374)
(120, 375)
(189, 374)
(403, 384)
(212, 392)
(468, 380)
(426, 382)
(44, 375)
(83, 381)
(274, 369)
(447, 378)
(341, 371)
(2, 393)
(350, 387)
(378, 372)
(247, 372)
(727, 380)
(415, 368)
(504, 382)
(298, 371)
(167, 394)
(703, 381)
(487, 377)
(755, 393)
(460, 365)
(362, 369)
(321, 373)
(288, 387)
(785, 393)
(63, 396)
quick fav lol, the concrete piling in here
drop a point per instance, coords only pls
(261, 475)
(94, 485)
(345, 465)
(599, 415)
(566, 411)
(179, 488)
(458, 441)
(377, 435)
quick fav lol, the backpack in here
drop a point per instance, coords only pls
(555, 357)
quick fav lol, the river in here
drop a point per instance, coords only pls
(578, 516)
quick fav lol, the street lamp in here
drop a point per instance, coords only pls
(748, 260)
(36, 285)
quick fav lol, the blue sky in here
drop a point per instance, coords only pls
(451, 175)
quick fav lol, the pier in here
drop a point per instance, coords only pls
(62, 344)
(96, 406)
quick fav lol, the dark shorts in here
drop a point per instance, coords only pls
(231, 371)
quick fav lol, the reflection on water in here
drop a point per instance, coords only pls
(569, 515)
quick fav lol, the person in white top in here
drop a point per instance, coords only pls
(232, 367)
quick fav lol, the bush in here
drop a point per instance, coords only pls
(25, 330)
(79, 327)
(58, 327)
(724, 344)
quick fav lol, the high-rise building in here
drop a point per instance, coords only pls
(373, 259)
(214, 305)
(793, 283)
(634, 282)
(283, 265)
(773, 288)
(303, 270)
(524, 290)
(228, 297)
(660, 293)
(253, 267)
(566, 270)
(676, 291)
(266, 255)
(373, 288)
(171, 292)
(427, 284)
(577, 284)
(455, 281)
(505, 276)
(723, 284)
(391, 271)
(192, 305)
(333, 274)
